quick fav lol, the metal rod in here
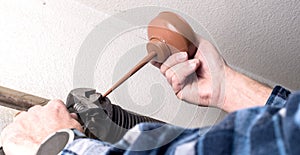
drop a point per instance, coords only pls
(137, 67)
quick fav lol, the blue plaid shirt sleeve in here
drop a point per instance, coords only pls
(272, 129)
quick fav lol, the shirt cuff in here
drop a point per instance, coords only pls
(86, 146)
(278, 97)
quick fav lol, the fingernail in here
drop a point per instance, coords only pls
(181, 56)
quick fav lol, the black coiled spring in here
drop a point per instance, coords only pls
(101, 119)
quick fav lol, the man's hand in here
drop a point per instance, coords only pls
(29, 129)
(191, 79)
(207, 80)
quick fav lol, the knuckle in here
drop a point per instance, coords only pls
(176, 84)
(175, 80)
(205, 97)
(162, 71)
(169, 73)
(56, 104)
(164, 68)
(58, 101)
(176, 89)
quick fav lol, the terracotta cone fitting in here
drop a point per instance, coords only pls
(168, 33)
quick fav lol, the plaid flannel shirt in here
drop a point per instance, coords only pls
(271, 129)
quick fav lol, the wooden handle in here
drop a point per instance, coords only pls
(18, 100)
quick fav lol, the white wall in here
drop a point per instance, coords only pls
(40, 41)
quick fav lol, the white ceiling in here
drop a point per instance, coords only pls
(259, 37)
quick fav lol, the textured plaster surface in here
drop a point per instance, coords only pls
(39, 41)
(259, 37)
(6, 117)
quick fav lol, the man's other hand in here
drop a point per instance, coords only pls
(28, 129)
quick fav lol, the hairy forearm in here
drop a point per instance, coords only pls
(243, 92)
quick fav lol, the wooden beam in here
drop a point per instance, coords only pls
(19, 100)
